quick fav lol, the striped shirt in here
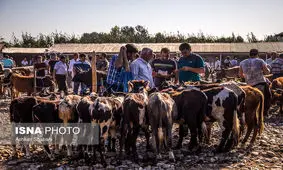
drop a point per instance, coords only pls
(277, 66)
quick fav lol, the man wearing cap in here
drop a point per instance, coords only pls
(60, 74)
(119, 64)
(253, 70)
(190, 65)
(277, 67)
(141, 68)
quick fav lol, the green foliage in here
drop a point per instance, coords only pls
(126, 34)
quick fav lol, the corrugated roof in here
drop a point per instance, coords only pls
(174, 47)
(24, 50)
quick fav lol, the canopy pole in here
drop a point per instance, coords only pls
(93, 72)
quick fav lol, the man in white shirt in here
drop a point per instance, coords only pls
(234, 62)
(24, 62)
(71, 66)
(141, 68)
(217, 64)
(60, 74)
(272, 58)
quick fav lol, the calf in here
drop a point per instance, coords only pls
(191, 112)
(254, 108)
(68, 114)
(134, 116)
(277, 92)
(162, 110)
(46, 112)
(21, 112)
(222, 107)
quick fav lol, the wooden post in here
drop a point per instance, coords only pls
(93, 72)
(34, 79)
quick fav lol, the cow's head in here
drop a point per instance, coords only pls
(167, 84)
(277, 95)
(138, 86)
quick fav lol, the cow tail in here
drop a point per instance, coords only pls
(203, 125)
(261, 112)
(236, 124)
(159, 104)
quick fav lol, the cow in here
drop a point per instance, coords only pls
(86, 77)
(25, 71)
(162, 110)
(134, 117)
(106, 112)
(21, 112)
(46, 111)
(253, 109)
(222, 107)
(277, 92)
(229, 73)
(68, 114)
(23, 84)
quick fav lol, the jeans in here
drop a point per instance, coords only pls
(76, 87)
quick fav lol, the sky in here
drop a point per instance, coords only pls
(213, 17)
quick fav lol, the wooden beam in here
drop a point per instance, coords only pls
(93, 71)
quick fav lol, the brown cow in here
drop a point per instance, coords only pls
(230, 73)
(24, 84)
(162, 110)
(253, 108)
(277, 92)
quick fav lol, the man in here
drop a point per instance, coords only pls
(51, 63)
(253, 70)
(234, 62)
(7, 62)
(164, 68)
(81, 65)
(118, 64)
(190, 65)
(141, 68)
(277, 67)
(227, 62)
(217, 64)
(40, 67)
(71, 66)
(60, 74)
(102, 63)
(24, 62)
(272, 58)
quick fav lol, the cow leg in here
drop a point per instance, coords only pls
(134, 141)
(181, 136)
(147, 136)
(122, 139)
(69, 150)
(103, 162)
(256, 129)
(193, 142)
(248, 133)
(28, 154)
(225, 135)
(112, 140)
(47, 150)
(156, 142)
(169, 136)
(209, 126)
(281, 110)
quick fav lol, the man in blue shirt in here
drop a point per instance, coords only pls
(190, 65)
(119, 64)
(7, 62)
(81, 65)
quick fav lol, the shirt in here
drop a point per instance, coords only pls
(102, 64)
(194, 61)
(277, 66)
(252, 69)
(217, 65)
(233, 63)
(269, 61)
(60, 68)
(163, 67)
(142, 70)
(80, 65)
(71, 65)
(113, 74)
(24, 63)
(51, 64)
(8, 63)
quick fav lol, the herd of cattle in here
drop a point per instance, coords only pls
(121, 116)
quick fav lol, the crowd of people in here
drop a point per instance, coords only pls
(132, 64)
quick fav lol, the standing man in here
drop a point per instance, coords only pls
(164, 68)
(81, 65)
(141, 68)
(118, 65)
(24, 62)
(272, 58)
(253, 70)
(71, 66)
(234, 62)
(60, 74)
(277, 67)
(227, 62)
(51, 63)
(7, 62)
(102, 63)
(217, 64)
(190, 65)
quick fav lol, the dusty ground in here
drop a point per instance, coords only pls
(267, 153)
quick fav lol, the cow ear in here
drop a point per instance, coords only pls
(146, 84)
(130, 86)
